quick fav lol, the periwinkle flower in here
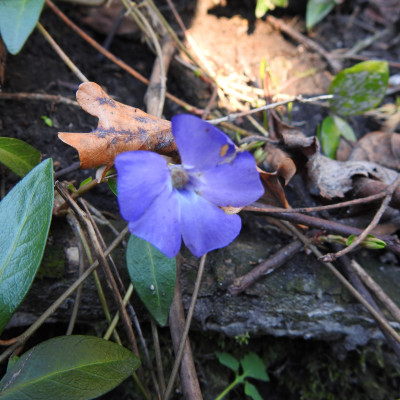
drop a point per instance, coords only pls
(167, 203)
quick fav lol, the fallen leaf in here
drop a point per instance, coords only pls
(121, 128)
(382, 148)
(330, 178)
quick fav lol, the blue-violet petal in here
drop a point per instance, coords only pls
(200, 144)
(204, 226)
(159, 225)
(236, 184)
(142, 176)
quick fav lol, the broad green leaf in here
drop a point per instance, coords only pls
(18, 155)
(153, 276)
(228, 360)
(251, 391)
(317, 10)
(17, 20)
(359, 88)
(254, 367)
(68, 368)
(333, 127)
(25, 215)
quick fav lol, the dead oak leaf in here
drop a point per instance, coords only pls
(121, 128)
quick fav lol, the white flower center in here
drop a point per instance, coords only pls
(179, 177)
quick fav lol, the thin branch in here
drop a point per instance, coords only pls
(378, 215)
(39, 322)
(377, 290)
(265, 268)
(76, 71)
(188, 107)
(296, 99)
(38, 97)
(376, 315)
(179, 333)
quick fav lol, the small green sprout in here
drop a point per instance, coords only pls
(47, 120)
(252, 367)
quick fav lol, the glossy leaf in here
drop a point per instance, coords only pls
(112, 184)
(317, 10)
(228, 360)
(18, 155)
(17, 20)
(359, 88)
(25, 215)
(153, 276)
(254, 367)
(251, 391)
(333, 127)
(68, 368)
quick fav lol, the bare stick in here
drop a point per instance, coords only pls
(335, 65)
(179, 331)
(39, 322)
(266, 267)
(61, 53)
(377, 290)
(385, 203)
(116, 60)
(38, 97)
(377, 316)
(296, 99)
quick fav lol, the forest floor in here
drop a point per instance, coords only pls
(232, 45)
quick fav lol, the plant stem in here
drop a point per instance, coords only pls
(227, 389)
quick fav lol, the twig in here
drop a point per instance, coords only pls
(307, 42)
(116, 60)
(325, 225)
(179, 332)
(38, 97)
(157, 352)
(265, 268)
(378, 318)
(73, 222)
(359, 286)
(39, 322)
(385, 203)
(377, 290)
(296, 99)
(61, 53)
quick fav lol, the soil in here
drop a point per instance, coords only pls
(233, 43)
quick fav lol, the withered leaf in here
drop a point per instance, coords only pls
(121, 128)
(382, 148)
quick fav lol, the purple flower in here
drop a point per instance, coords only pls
(166, 203)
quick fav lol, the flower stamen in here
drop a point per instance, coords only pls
(179, 177)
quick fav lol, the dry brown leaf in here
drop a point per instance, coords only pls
(121, 128)
(274, 195)
(382, 148)
(330, 178)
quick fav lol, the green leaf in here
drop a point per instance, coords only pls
(68, 368)
(333, 127)
(112, 184)
(153, 276)
(17, 20)
(330, 137)
(228, 360)
(317, 10)
(251, 391)
(254, 367)
(18, 155)
(359, 88)
(25, 215)
(263, 6)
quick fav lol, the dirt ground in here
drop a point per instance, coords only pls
(232, 43)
